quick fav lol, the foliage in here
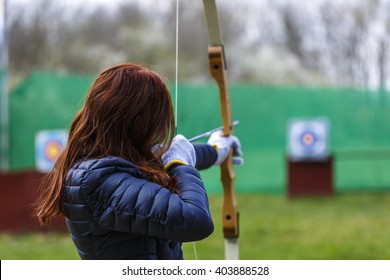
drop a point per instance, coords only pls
(269, 42)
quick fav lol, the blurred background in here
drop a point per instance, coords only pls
(287, 61)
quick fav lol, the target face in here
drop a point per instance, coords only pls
(48, 146)
(308, 139)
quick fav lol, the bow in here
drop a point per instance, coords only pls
(218, 72)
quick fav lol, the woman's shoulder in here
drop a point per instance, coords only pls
(100, 181)
(102, 163)
(96, 169)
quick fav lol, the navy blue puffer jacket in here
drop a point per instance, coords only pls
(113, 212)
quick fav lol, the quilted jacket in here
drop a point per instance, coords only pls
(113, 212)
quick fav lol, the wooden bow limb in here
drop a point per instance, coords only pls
(218, 71)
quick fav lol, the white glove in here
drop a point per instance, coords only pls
(180, 152)
(223, 144)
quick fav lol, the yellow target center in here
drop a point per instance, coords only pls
(53, 150)
(308, 139)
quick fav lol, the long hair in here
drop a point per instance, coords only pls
(127, 113)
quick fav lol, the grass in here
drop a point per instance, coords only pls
(37, 246)
(349, 226)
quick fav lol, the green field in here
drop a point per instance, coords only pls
(347, 226)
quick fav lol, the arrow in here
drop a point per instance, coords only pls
(208, 133)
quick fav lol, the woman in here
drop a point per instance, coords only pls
(129, 190)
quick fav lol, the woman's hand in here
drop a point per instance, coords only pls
(223, 145)
(180, 152)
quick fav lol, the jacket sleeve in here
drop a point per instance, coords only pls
(206, 155)
(121, 202)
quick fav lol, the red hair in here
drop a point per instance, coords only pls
(127, 112)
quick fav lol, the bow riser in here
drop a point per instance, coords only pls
(218, 72)
(229, 206)
(229, 203)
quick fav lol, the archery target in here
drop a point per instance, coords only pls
(308, 139)
(48, 146)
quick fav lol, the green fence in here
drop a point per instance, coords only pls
(359, 134)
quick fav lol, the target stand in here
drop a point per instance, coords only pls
(309, 163)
